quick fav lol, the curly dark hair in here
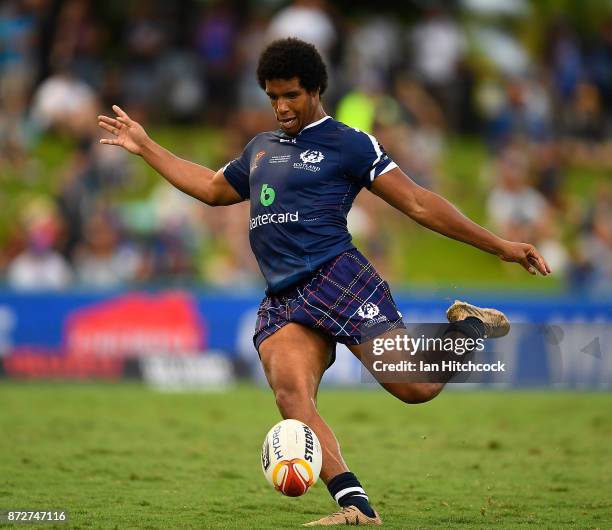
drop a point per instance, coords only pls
(288, 58)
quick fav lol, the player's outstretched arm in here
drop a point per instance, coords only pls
(198, 181)
(436, 213)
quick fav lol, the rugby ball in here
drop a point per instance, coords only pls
(291, 457)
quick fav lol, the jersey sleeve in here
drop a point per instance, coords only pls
(237, 171)
(363, 158)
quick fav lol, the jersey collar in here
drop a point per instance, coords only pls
(314, 124)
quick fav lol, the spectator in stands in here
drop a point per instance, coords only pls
(374, 49)
(89, 175)
(565, 60)
(549, 172)
(513, 203)
(79, 40)
(15, 135)
(64, 103)
(523, 116)
(584, 128)
(101, 261)
(19, 67)
(308, 20)
(599, 64)
(438, 45)
(424, 139)
(216, 37)
(145, 38)
(592, 269)
(251, 40)
(40, 266)
(18, 37)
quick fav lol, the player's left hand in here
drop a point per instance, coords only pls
(526, 255)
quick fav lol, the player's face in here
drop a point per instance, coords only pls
(293, 105)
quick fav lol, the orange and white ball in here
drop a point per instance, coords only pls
(291, 457)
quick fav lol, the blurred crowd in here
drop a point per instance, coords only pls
(542, 106)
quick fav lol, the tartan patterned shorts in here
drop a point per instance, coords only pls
(345, 299)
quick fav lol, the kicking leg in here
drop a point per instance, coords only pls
(409, 387)
(467, 321)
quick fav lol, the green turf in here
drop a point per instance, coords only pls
(127, 457)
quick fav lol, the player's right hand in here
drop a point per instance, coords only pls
(526, 255)
(126, 132)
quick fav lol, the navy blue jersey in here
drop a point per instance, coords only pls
(301, 189)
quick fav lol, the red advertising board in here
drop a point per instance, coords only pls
(135, 325)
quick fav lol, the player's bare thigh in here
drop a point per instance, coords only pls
(410, 387)
(294, 359)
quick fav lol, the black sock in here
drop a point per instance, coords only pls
(471, 327)
(347, 491)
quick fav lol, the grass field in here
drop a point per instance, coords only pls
(126, 457)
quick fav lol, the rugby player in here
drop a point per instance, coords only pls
(301, 181)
